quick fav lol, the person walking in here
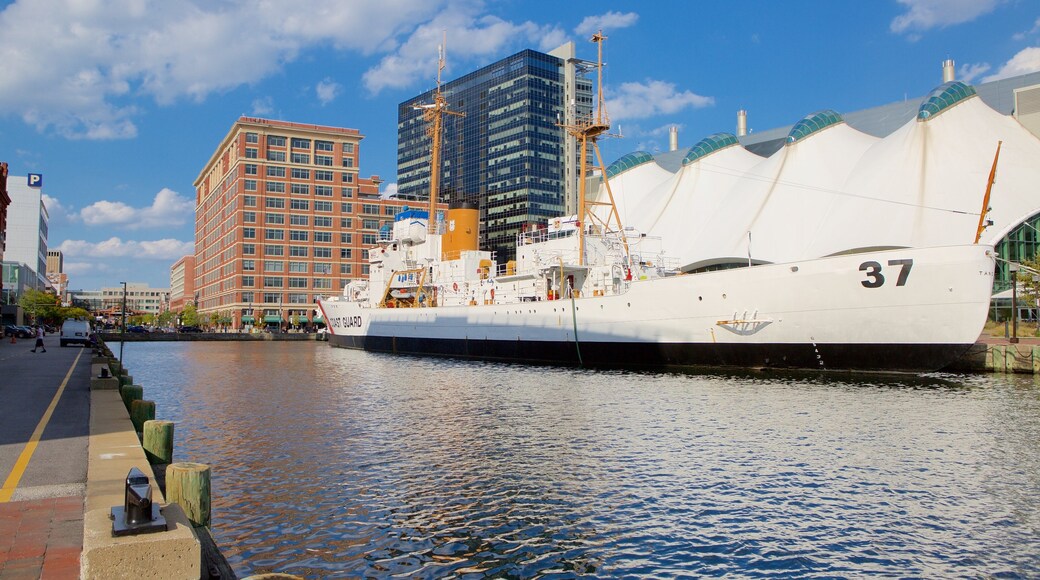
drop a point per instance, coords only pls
(39, 339)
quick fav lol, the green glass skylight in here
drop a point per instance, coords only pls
(943, 97)
(709, 145)
(812, 124)
(627, 162)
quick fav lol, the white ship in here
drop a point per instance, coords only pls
(583, 290)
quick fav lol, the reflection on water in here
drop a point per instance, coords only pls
(336, 463)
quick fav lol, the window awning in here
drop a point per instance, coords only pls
(247, 320)
(270, 318)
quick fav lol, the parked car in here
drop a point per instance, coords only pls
(18, 331)
(75, 332)
(137, 329)
(189, 329)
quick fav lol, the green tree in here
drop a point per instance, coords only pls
(42, 306)
(190, 316)
(73, 312)
(165, 318)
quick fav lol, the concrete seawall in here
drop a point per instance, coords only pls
(209, 336)
(1000, 356)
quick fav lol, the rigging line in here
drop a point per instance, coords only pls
(732, 173)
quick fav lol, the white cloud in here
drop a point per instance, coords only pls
(74, 269)
(1023, 35)
(664, 130)
(263, 106)
(608, 21)
(85, 69)
(1026, 61)
(327, 91)
(55, 210)
(641, 100)
(165, 249)
(470, 36)
(551, 38)
(78, 68)
(923, 15)
(167, 209)
(389, 190)
(969, 72)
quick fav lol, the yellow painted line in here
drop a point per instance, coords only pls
(23, 460)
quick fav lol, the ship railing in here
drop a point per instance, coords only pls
(543, 235)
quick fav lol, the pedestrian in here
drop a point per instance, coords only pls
(39, 339)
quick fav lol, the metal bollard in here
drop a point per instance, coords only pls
(138, 514)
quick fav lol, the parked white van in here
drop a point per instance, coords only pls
(75, 332)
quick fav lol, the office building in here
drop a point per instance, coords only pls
(26, 241)
(282, 217)
(182, 283)
(140, 299)
(507, 152)
(56, 276)
(91, 300)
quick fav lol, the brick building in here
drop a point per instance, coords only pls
(282, 218)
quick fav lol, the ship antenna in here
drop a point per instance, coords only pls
(433, 114)
(587, 131)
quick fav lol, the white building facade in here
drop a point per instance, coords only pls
(27, 221)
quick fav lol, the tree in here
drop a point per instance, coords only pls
(73, 313)
(190, 316)
(165, 318)
(42, 306)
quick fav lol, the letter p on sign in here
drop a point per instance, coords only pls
(35, 180)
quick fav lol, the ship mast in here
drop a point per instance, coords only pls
(587, 131)
(433, 114)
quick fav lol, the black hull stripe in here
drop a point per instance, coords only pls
(859, 357)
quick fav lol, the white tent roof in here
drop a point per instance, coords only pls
(832, 189)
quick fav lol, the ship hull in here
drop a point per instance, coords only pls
(898, 310)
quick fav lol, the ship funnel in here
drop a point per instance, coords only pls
(949, 71)
(673, 138)
(461, 230)
(741, 123)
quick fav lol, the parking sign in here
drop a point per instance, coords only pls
(35, 180)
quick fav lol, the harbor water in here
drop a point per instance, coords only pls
(336, 463)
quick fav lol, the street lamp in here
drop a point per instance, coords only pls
(122, 334)
(1013, 269)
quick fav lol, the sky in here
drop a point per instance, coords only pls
(120, 103)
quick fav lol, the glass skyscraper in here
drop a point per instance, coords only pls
(507, 153)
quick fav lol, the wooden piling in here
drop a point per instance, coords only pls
(157, 440)
(126, 380)
(188, 484)
(141, 411)
(131, 393)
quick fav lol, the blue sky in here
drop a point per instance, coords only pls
(119, 103)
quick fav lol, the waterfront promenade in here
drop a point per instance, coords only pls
(44, 428)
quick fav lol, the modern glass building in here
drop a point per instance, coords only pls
(506, 152)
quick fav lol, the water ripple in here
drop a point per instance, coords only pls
(340, 464)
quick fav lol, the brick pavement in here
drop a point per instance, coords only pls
(41, 538)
